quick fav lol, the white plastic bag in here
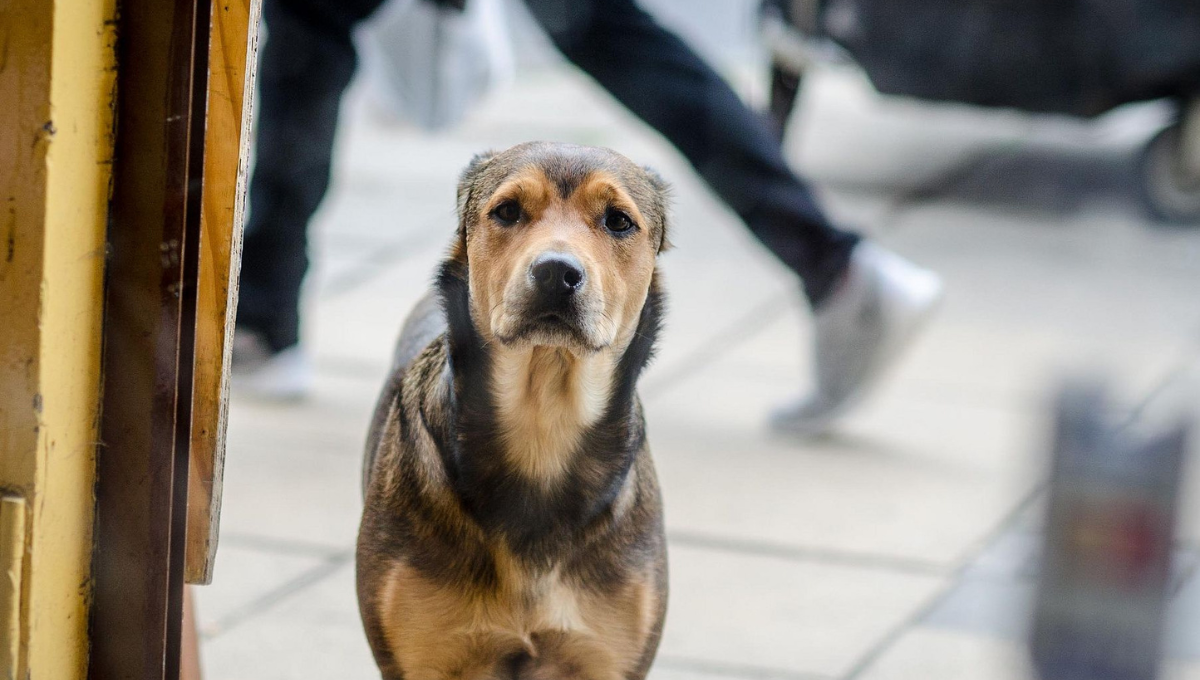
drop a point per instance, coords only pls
(429, 64)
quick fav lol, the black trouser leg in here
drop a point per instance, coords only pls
(659, 78)
(307, 62)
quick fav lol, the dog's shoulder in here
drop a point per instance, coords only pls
(417, 361)
(424, 324)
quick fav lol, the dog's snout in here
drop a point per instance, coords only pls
(556, 276)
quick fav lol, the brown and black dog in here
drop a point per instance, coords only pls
(513, 524)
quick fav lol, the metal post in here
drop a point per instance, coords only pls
(1106, 564)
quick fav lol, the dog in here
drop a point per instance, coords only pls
(512, 524)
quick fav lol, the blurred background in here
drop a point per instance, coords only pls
(902, 547)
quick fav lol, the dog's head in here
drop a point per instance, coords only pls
(560, 244)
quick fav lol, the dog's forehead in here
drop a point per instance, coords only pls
(567, 166)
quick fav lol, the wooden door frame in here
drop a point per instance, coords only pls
(149, 336)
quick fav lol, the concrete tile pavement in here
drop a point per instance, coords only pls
(822, 560)
(931, 653)
(737, 609)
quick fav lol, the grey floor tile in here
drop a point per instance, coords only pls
(1090, 280)
(669, 668)
(244, 578)
(928, 654)
(412, 209)
(1016, 553)
(995, 594)
(755, 612)
(997, 608)
(332, 419)
(1189, 517)
(315, 633)
(293, 471)
(1184, 631)
(1013, 555)
(659, 673)
(361, 324)
(933, 654)
(903, 479)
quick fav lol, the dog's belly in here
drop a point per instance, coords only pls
(532, 628)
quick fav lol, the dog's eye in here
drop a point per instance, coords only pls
(507, 213)
(617, 222)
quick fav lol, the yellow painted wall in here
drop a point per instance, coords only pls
(56, 90)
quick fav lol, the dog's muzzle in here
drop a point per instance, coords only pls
(554, 306)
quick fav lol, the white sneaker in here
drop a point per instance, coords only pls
(286, 375)
(859, 332)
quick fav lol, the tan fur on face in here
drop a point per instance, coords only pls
(626, 270)
(618, 269)
(547, 396)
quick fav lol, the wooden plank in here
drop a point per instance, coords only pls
(234, 39)
(12, 559)
(149, 326)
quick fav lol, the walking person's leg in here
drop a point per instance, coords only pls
(867, 302)
(306, 64)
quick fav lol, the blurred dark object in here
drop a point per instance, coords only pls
(1170, 168)
(790, 31)
(1075, 57)
(1106, 564)
(1079, 57)
(459, 5)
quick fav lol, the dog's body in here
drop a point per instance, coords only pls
(512, 525)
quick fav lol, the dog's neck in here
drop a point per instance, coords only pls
(546, 398)
(540, 441)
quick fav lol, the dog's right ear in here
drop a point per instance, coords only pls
(468, 181)
(662, 200)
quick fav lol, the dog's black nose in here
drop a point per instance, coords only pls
(556, 276)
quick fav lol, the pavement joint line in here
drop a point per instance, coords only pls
(282, 546)
(891, 637)
(274, 596)
(742, 329)
(1176, 372)
(719, 668)
(793, 553)
(1008, 522)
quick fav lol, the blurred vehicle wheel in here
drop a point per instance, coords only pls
(1169, 189)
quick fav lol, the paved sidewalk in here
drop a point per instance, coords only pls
(900, 549)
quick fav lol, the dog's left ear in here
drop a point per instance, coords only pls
(467, 182)
(662, 201)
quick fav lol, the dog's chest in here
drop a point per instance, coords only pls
(525, 601)
(542, 616)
